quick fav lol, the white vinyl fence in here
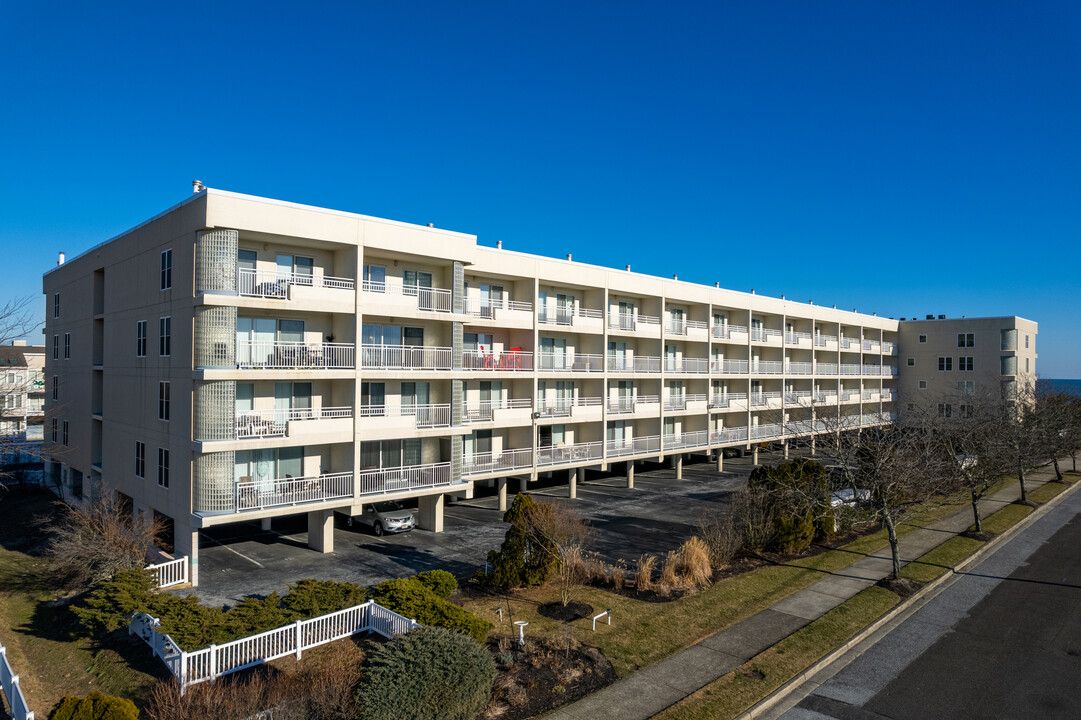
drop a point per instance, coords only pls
(173, 572)
(212, 662)
(9, 681)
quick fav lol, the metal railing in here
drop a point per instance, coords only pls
(676, 327)
(9, 682)
(635, 364)
(675, 402)
(794, 396)
(800, 368)
(488, 307)
(825, 395)
(649, 320)
(274, 284)
(728, 435)
(484, 410)
(398, 479)
(823, 340)
(171, 572)
(590, 313)
(273, 423)
(872, 345)
(849, 369)
(698, 438)
(564, 454)
(847, 395)
(762, 398)
(650, 444)
(872, 369)
(697, 325)
(555, 315)
(294, 355)
(506, 360)
(578, 362)
(762, 334)
(722, 332)
(405, 357)
(761, 432)
(210, 663)
(792, 337)
(508, 460)
(258, 494)
(826, 368)
(687, 365)
(849, 342)
(768, 367)
(431, 299)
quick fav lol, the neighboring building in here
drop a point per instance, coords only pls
(237, 358)
(22, 397)
(943, 360)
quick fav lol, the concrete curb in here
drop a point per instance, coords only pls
(906, 607)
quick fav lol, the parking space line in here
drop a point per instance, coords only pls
(236, 552)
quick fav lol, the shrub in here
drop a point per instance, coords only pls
(309, 598)
(109, 606)
(441, 582)
(721, 536)
(191, 625)
(524, 558)
(792, 532)
(752, 519)
(643, 573)
(693, 565)
(95, 706)
(429, 673)
(798, 502)
(669, 579)
(413, 599)
(254, 615)
(617, 574)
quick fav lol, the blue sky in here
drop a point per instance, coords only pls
(902, 158)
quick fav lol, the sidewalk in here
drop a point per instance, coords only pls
(649, 691)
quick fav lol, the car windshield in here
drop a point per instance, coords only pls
(387, 506)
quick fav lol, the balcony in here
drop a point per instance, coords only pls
(735, 367)
(623, 405)
(275, 423)
(888, 348)
(850, 343)
(765, 432)
(403, 357)
(798, 339)
(728, 332)
(503, 462)
(675, 326)
(513, 360)
(385, 481)
(420, 417)
(728, 401)
(294, 355)
(849, 369)
(850, 396)
(764, 399)
(872, 369)
(569, 454)
(825, 368)
(766, 335)
(565, 407)
(634, 364)
(826, 397)
(260, 494)
(286, 285)
(649, 445)
(800, 368)
(394, 292)
(768, 367)
(511, 312)
(797, 397)
(573, 363)
(829, 342)
(699, 438)
(491, 410)
(872, 346)
(728, 436)
(686, 365)
(697, 330)
(584, 319)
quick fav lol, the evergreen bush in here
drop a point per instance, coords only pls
(413, 599)
(524, 558)
(441, 582)
(431, 673)
(95, 706)
(310, 598)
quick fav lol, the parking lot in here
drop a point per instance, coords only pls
(654, 517)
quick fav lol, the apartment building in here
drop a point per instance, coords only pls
(22, 398)
(238, 358)
(945, 360)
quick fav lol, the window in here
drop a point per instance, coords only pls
(945, 364)
(923, 338)
(965, 387)
(374, 278)
(140, 459)
(55, 423)
(945, 410)
(163, 400)
(56, 347)
(1026, 342)
(923, 384)
(140, 338)
(964, 410)
(56, 387)
(167, 269)
(165, 336)
(56, 305)
(65, 427)
(163, 468)
(1026, 365)
(912, 362)
(964, 363)
(911, 407)
(67, 346)
(966, 340)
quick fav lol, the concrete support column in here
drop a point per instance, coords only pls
(572, 485)
(264, 523)
(523, 484)
(679, 467)
(430, 516)
(502, 494)
(754, 454)
(785, 443)
(321, 531)
(812, 446)
(186, 542)
(720, 461)
(630, 474)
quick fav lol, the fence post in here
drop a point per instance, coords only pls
(213, 663)
(300, 634)
(183, 675)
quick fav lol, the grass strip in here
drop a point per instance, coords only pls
(730, 695)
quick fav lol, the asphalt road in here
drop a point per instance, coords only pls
(656, 516)
(1003, 641)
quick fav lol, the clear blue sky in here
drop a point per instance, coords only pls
(903, 158)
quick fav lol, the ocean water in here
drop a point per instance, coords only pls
(1066, 386)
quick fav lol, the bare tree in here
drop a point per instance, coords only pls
(560, 531)
(91, 543)
(1020, 440)
(1053, 415)
(16, 321)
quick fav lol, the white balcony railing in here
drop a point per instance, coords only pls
(506, 461)
(273, 423)
(506, 360)
(676, 327)
(565, 454)
(578, 362)
(430, 299)
(687, 365)
(405, 357)
(822, 340)
(768, 367)
(426, 415)
(489, 307)
(761, 334)
(484, 411)
(697, 325)
(799, 368)
(795, 338)
(825, 396)
(274, 284)
(698, 438)
(294, 355)
(555, 315)
(258, 494)
(650, 444)
(675, 402)
(762, 432)
(621, 321)
(635, 364)
(760, 399)
(850, 343)
(728, 435)
(826, 368)
(400, 479)
(849, 369)
(796, 396)
(735, 367)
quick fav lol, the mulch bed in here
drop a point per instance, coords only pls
(902, 587)
(982, 536)
(566, 613)
(543, 675)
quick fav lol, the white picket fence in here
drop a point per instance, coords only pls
(172, 572)
(9, 681)
(212, 662)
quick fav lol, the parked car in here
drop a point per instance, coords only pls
(386, 517)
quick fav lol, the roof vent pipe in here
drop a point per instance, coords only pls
(628, 268)
(431, 225)
(498, 244)
(782, 297)
(752, 291)
(717, 284)
(197, 187)
(568, 257)
(60, 261)
(941, 317)
(675, 277)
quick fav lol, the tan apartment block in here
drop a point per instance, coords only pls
(238, 358)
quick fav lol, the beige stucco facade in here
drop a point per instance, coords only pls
(320, 360)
